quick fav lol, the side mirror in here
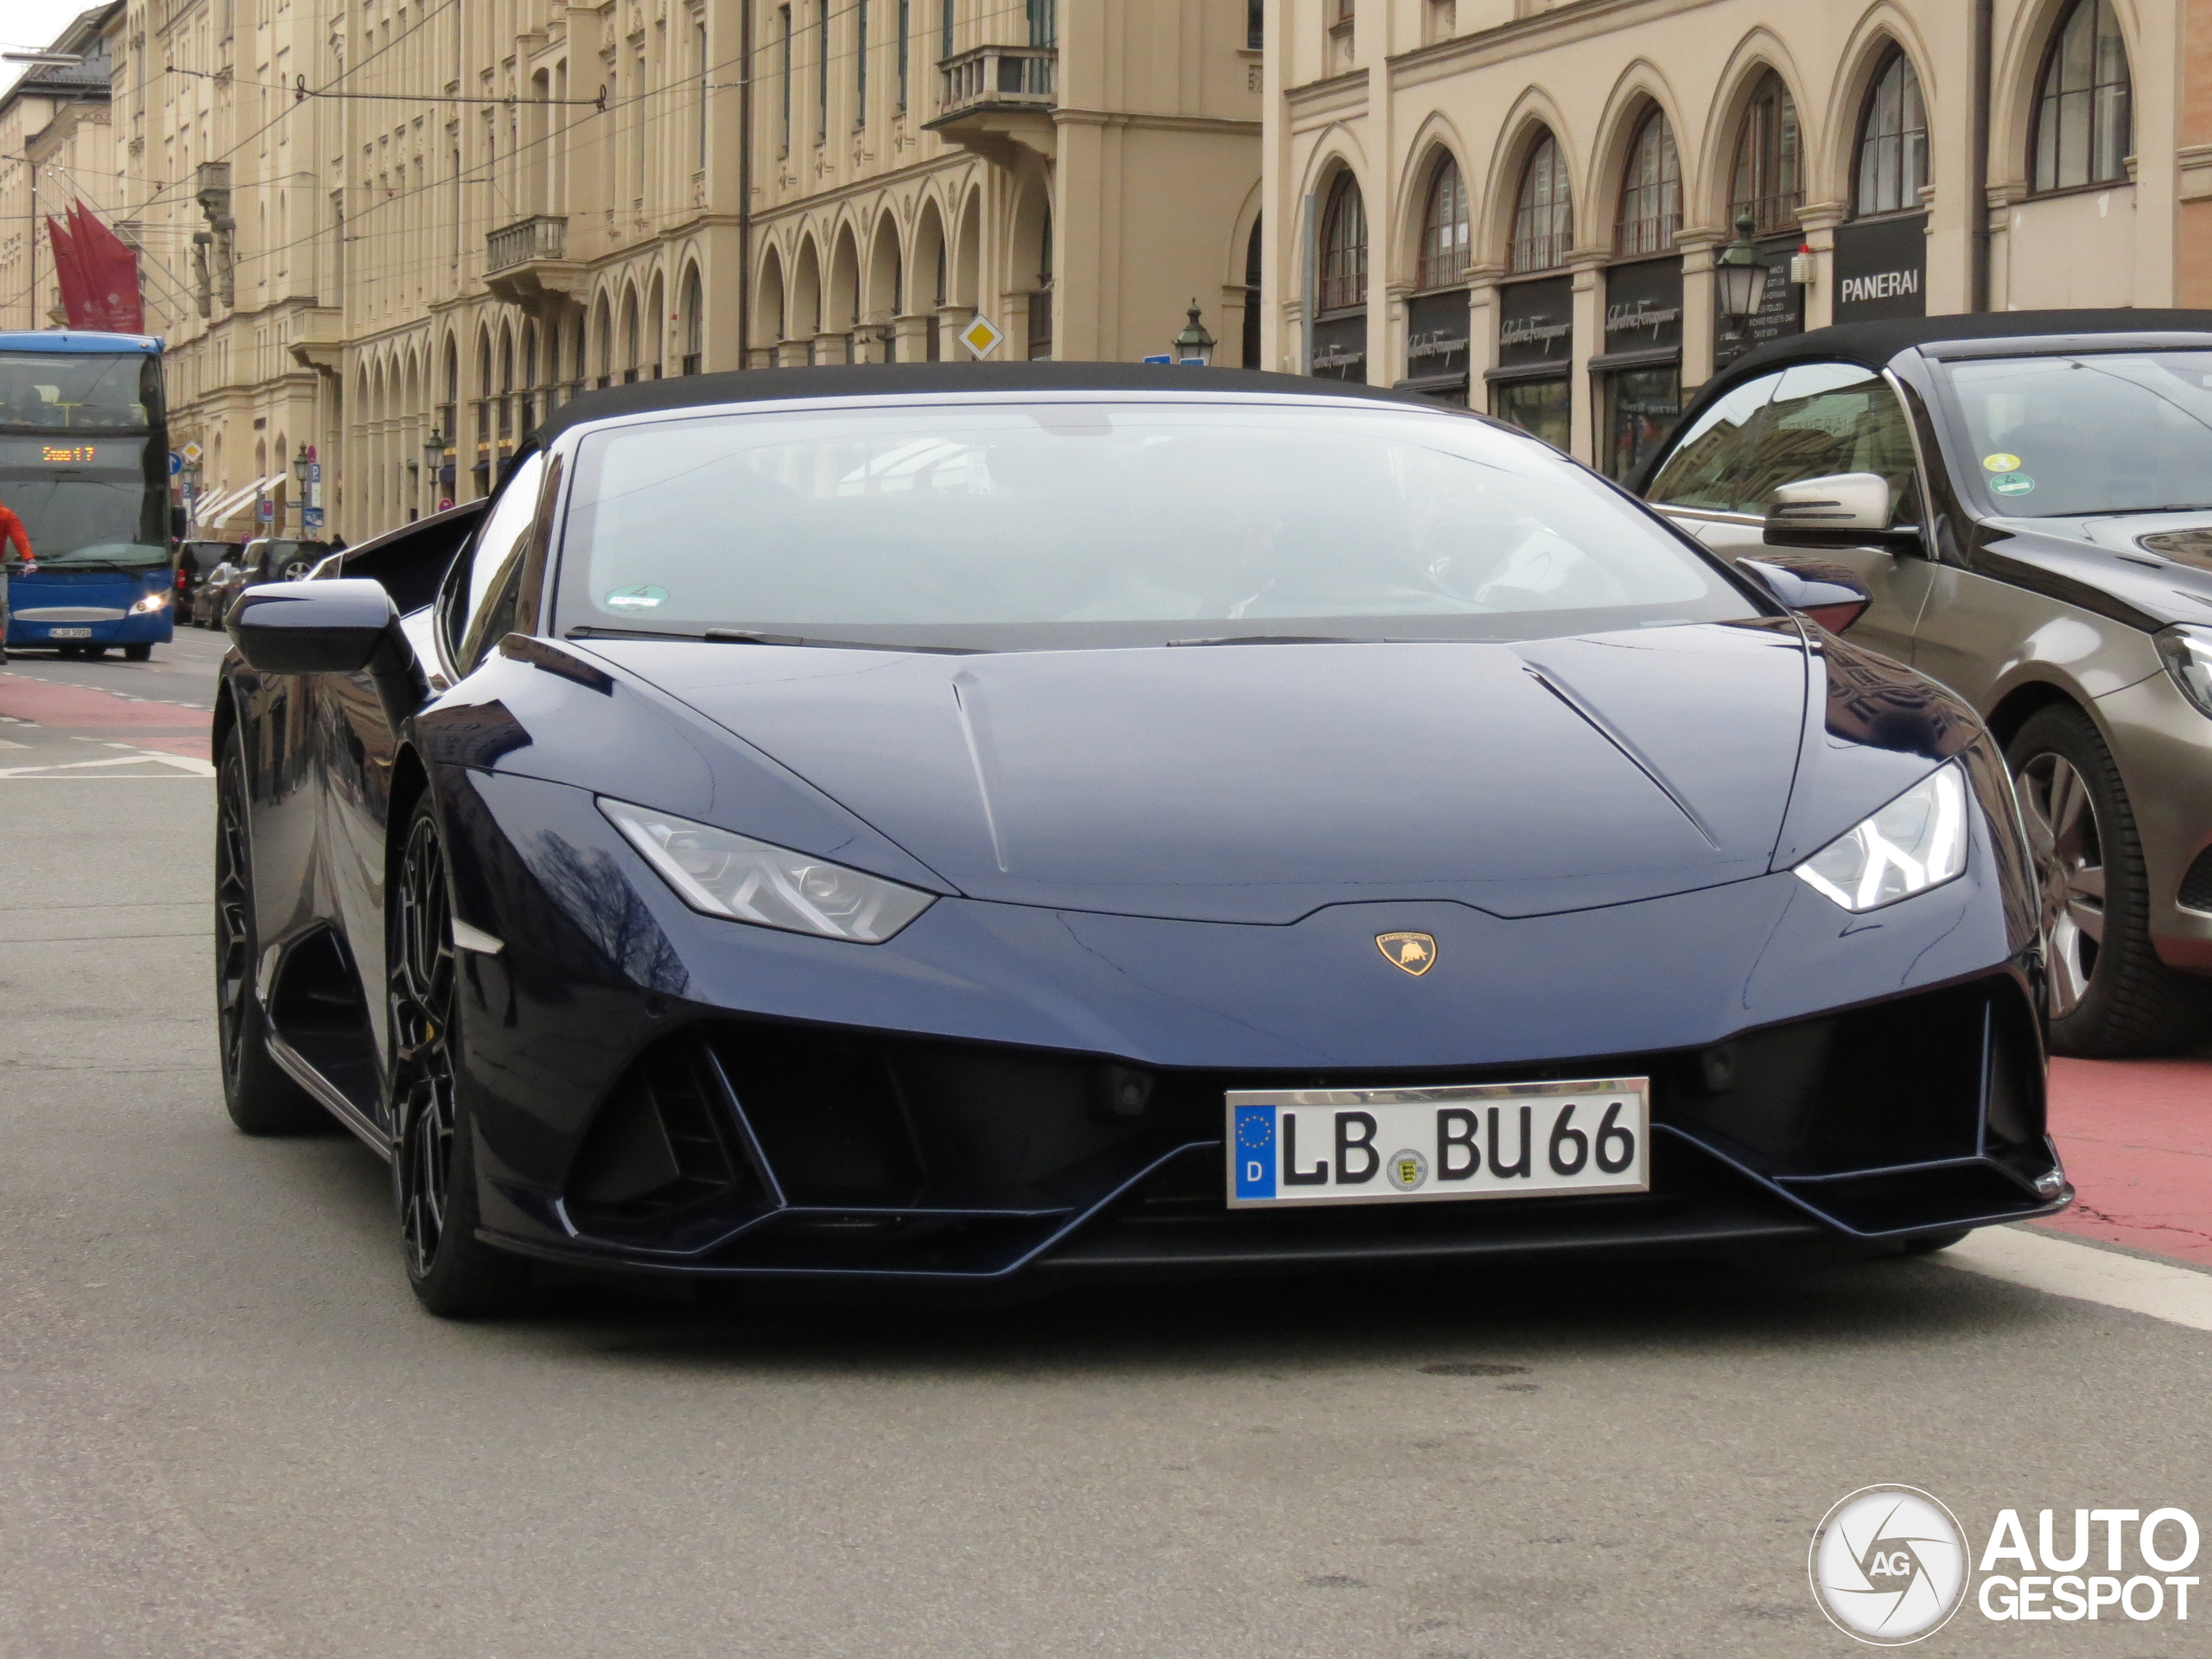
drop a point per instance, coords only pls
(345, 626)
(1845, 510)
(1831, 594)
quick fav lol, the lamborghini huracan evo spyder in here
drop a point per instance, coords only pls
(948, 824)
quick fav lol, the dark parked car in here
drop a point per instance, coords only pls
(195, 561)
(263, 559)
(940, 823)
(2028, 497)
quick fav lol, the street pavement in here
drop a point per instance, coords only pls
(226, 1429)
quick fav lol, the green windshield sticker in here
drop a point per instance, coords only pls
(2001, 462)
(2011, 484)
(641, 598)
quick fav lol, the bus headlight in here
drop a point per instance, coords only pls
(153, 602)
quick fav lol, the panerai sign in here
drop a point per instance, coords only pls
(1881, 269)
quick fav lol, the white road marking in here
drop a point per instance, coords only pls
(2060, 1267)
(175, 765)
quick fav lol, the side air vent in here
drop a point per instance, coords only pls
(663, 1141)
(2196, 887)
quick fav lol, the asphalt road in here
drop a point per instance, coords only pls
(226, 1429)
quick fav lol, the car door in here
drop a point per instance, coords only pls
(361, 750)
(1807, 421)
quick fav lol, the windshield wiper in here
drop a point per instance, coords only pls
(2171, 506)
(1274, 639)
(624, 633)
(754, 637)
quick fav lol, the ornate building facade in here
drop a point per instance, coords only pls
(1519, 203)
(385, 236)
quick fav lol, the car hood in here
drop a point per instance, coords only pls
(2158, 564)
(1257, 782)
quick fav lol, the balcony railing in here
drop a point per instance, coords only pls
(998, 78)
(541, 237)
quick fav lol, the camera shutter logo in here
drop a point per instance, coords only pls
(1889, 1565)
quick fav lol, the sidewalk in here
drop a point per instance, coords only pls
(2137, 1138)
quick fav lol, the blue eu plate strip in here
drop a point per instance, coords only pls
(1256, 1152)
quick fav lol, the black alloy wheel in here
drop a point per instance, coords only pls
(2109, 995)
(452, 1272)
(262, 1098)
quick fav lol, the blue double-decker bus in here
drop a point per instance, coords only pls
(84, 463)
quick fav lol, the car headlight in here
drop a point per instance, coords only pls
(2187, 653)
(153, 602)
(724, 874)
(1918, 841)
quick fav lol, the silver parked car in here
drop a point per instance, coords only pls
(2027, 499)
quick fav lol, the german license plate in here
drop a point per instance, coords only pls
(1459, 1140)
(68, 633)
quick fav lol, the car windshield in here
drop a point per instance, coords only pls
(2054, 437)
(83, 501)
(1041, 525)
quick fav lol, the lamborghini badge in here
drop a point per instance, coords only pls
(1414, 952)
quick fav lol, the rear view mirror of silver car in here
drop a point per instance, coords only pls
(1843, 510)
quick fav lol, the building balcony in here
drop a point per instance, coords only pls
(998, 91)
(526, 262)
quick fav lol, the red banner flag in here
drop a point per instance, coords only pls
(111, 271)
(69, 275)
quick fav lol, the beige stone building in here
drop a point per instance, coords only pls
(1519, 203)
(391, 233)
(57, 146)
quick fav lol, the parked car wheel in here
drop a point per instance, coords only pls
(2110, 994)
(452, 1273)
(262, 1098)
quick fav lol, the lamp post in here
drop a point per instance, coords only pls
(1194, 345)
(1740, 274)
(434, 461)
(300, 483)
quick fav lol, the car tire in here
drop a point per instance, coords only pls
(261, 1097)
(140, 653)
(2109, 995)
(452, 1273)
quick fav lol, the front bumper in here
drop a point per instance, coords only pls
(666, 1092)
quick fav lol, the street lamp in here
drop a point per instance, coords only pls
(1740, 274)
(1193, 347)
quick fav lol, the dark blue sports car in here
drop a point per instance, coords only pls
(948, 824)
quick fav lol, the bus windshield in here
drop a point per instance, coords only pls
(99, 389)
(83, 503)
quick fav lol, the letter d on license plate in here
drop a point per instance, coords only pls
(1459, 1141)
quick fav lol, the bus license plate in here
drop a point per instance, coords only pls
(68, 633)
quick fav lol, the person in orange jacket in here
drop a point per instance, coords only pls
(13, 538)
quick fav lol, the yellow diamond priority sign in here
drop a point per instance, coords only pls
(191, 453)
(983, 336)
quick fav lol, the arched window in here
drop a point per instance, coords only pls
(1543, 212)
(1892, 139)
(694, 323)
(1444, 238)
(1343, 246)
(2084, 102)
(1767, 180)
(1651, 190)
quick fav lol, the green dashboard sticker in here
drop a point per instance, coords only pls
(641, 598)
(2011, 484)
(2001, 462)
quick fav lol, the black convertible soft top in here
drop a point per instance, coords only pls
(915, 379)
(1875, 343)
